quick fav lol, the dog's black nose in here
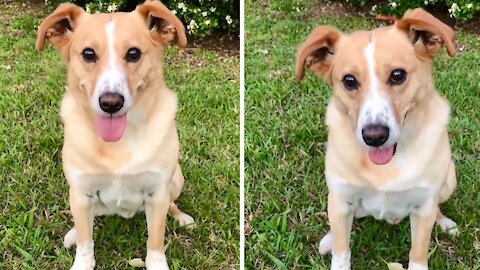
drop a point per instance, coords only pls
(111, 102)
(375, 135)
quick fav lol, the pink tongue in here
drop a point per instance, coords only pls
(381, 156)
(110, 128)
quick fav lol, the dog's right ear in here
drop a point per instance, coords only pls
(57, 28)
(427, 33)
(163, 24)
(316, 52)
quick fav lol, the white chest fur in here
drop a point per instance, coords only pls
(391, 205)
(120, 194)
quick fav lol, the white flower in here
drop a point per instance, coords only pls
(228, 19)
(425, 2)
(374, 8)
(112, 8)
(174, 12)
(453, 9)
(469, 5)
(192, 25)
(207, 22)
(87, 9)
(212, 9)
(204, 14)
(182, 7)
(393, 4)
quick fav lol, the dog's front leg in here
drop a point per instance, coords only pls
(83, 216)
(340, 215)
(156, 212)
(421, 225)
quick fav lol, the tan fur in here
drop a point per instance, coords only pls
(150, 142)
(423, 146)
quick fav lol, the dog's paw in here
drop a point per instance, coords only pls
(184, 219)
(417, 266)
(83, 265)
(341, 261)
(325, 245)
(448, 225)
(156, 260)
(84, 258)
(70, 238)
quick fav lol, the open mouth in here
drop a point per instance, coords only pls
(381, 156)
(110, 128)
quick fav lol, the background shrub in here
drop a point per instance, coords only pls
(201, 17)
(458, 9)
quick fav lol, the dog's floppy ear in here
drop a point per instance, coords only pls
(163, 24)
(427, 34)
(57, 28)
(316, 52)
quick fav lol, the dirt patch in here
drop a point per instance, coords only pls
(330, 8)
(28, 8)
(224, 44)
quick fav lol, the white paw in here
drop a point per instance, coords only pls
(84, 258)
(70, 238)
(156, 260)
(184, 219)
(417, 266)
(341, 261)
(325, 245)
(448, 225)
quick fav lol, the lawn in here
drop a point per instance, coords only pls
(285, 145)
(33, 197)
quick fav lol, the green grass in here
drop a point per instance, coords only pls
(285, 145)
(33, 196)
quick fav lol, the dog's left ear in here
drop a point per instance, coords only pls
(163, 24)
(427, 34)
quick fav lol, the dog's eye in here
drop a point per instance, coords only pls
(350, 82)
(133, 55)
(89, 55)
(397, 77)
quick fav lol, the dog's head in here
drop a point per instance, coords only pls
(377, 76)
(111, 57)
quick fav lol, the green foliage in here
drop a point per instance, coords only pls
(201, 17)
(459, 9)
(287, 6)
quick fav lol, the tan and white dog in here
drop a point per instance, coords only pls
(388, 152)
(121, 148)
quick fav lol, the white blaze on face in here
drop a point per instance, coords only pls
(376, 108)
(112, 79)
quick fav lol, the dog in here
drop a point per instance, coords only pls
(388, 153)
(121, 148)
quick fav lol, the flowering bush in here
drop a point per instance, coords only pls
(458, 9)
(204, 16)
(200, 17)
